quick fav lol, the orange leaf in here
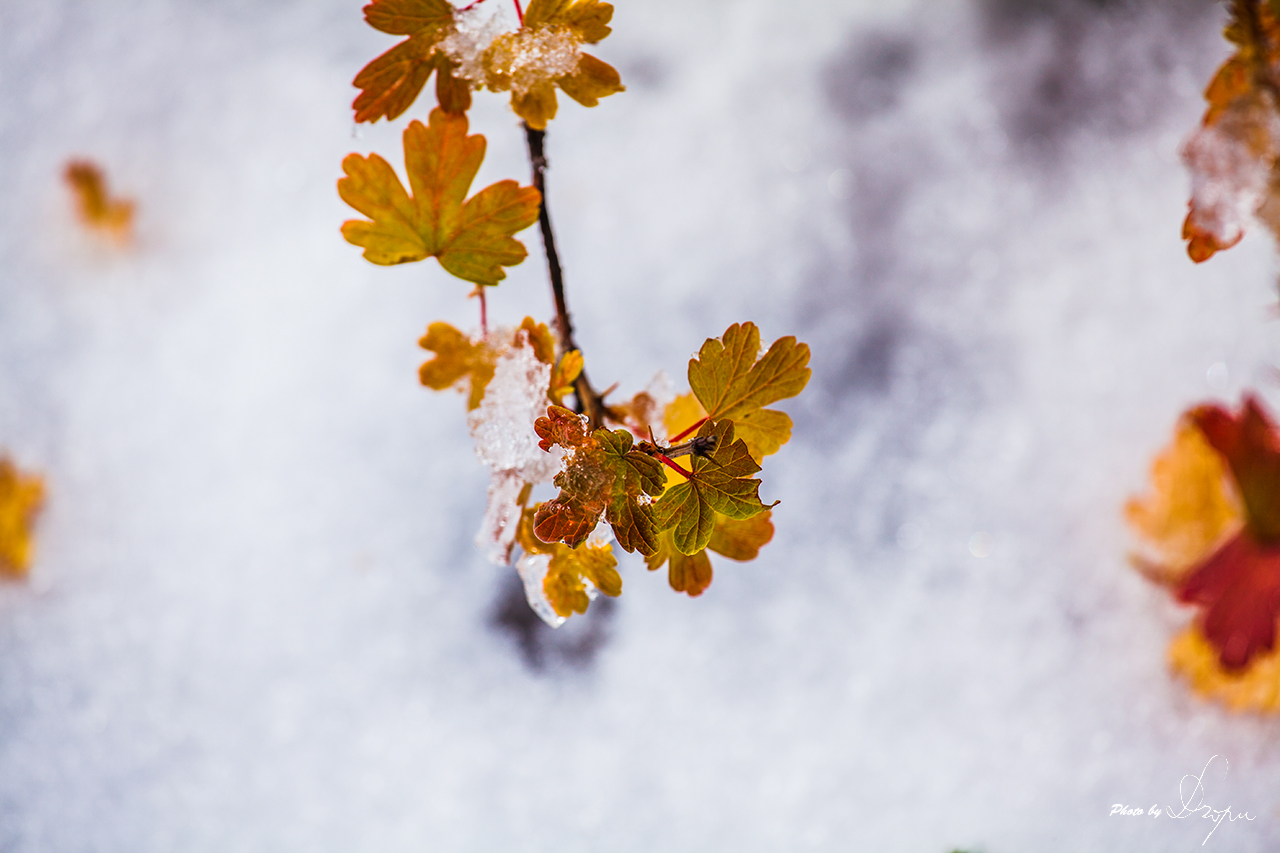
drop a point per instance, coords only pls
(96, 206)
(391, 83)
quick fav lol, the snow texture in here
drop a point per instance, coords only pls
(257, 620)
(502, 426)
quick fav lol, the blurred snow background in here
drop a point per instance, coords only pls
(258, 621)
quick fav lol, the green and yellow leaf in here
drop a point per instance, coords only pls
(720, 482)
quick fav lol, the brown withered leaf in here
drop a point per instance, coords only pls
(21, 496)
(472, 239)
(392, 82)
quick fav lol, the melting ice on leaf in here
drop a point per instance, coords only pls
(20, 499)
(546, 52)
(470, 237)
(568, 570)
(391, 83)
(1232, 156)
(604, 474)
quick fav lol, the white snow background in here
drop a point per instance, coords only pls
(258, 621)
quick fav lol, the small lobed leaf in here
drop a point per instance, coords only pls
(569, 567)
(21, 496)
(1257, 688)
(563, 427)
(391, 83)
(730, 382)
(687, 573)
(546, 53)
(472, 239)
(457, 360)
(719, 482)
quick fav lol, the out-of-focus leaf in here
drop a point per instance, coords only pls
(471, 239)
(458, 358)
(1239, 589)
(1190, 508)
(741, 539)
(21, 496)
(1250, 445)
(96, 206)
(1257, 688)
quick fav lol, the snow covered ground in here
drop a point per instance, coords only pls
(258, 621)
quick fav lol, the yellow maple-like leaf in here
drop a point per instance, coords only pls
(467, 364)
(546, 53)
(96, 206)
(569, 567)
(20, 498)
(1257, 688)
(471, 239)
(391, 83)
(458, 360)
(1190, 509)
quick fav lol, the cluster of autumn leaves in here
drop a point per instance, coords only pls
(669, 503)
(1210, 525)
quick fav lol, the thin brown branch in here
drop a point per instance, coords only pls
(589, 401)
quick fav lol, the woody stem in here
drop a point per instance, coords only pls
(589, 401)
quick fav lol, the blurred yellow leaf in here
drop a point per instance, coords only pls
(1190, 508)
(96, 206)
(1257, 688)
(21, 496)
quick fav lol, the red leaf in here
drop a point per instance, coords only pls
(1250, 444)
(1239, 587)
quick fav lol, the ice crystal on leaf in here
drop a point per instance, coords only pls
(20, 498)
(1232, 156)
(470, 237)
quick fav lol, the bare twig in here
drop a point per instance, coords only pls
(590, 402)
